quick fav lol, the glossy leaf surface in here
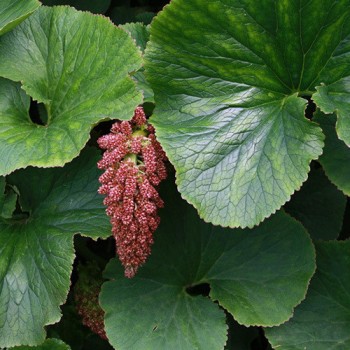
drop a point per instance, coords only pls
(228, 77)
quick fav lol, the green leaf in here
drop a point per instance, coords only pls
(228, 78)
(145, 17)
(77, 65)
(336, 154)
(36, 253)
(142, 83)
(322, 321)
(161, 316)
(140, 33)
(319, 206)
(333, 95)
(249, 273)
(336, 97)
(237, 171)
(49, 344)
(13, 12)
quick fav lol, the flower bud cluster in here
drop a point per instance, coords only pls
(134, 165)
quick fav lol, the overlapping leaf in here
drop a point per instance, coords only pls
(140, 33)
(249, 273)
(336, 154)
(319, 206)
(77, 65)
(13, 12)
(322, 321)
(36, 248)
(334, 93)
(336, 97)
(228, 78)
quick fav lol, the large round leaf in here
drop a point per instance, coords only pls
(322, 321)
(77, 64)
(249, 273)
(36, 248)
(226, 76)
(13, 12)
(336, 154)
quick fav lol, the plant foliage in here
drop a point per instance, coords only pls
(229, 107)
(250, 102)
(193, 253)
(77, 71)
(37, 245)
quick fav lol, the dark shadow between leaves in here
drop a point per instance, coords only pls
(199, 289)
(37, 113)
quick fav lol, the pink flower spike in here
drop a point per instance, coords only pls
(134, 165)
(139, 117)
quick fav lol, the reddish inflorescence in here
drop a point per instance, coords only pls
(134, 165)
(86, 293)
